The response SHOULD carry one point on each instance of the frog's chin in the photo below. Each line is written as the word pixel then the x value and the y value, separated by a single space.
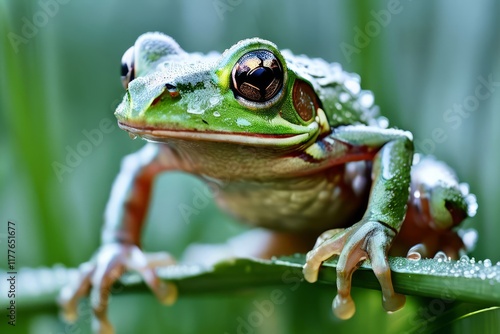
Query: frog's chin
pixel 251 139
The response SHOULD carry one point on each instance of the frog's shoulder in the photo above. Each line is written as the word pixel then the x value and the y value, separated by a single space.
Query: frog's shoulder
pixel 340 92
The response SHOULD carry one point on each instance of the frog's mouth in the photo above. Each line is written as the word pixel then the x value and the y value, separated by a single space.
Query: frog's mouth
pixel 251 139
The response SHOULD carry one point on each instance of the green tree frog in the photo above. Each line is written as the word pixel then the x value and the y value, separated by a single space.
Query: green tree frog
pixel 293 144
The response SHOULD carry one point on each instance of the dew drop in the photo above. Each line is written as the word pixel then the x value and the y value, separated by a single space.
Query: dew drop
pixel 214 100
pixel 366 99
pixel 344 97
pixel 353 86
pixel 383 122
pixel 487 263
pixel 216 113
pixel 464 258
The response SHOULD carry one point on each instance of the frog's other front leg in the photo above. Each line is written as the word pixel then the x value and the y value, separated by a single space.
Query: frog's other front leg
pixel 438 203
pixel 120 250
pixel 370 238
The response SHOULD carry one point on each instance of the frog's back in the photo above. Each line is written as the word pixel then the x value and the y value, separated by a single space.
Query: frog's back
pixel 340 93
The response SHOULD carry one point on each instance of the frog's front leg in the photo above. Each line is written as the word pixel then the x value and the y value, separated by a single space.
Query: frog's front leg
pixel 120 250
pixel 371 238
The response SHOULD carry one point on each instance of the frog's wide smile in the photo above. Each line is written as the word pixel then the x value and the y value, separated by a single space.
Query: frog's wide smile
pixel 246 138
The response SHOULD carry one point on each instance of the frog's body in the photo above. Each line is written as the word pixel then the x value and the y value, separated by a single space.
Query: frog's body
pixel 287 143
pixel 331 198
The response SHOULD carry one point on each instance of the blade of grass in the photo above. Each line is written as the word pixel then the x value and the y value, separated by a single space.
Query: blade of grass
pixel 465 280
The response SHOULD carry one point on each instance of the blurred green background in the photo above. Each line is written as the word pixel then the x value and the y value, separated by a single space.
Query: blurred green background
pixel 60 76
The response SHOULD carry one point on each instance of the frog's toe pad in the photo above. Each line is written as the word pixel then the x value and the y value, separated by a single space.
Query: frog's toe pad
pixel 394 302
pixel 343 307
pixel 167 293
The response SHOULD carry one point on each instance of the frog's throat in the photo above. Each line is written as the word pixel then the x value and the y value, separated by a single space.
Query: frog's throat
pixel 252 139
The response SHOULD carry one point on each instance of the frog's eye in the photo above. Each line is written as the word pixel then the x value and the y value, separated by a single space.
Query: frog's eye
pixel 257 76
pixel 128 67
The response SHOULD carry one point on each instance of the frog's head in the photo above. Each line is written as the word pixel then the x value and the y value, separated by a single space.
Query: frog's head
pixel 246 96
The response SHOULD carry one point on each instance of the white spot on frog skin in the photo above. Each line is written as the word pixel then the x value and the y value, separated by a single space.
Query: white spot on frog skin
pixel 242 122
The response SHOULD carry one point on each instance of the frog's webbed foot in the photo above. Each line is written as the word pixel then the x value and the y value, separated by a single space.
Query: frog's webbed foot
pixel 98 275
pixel 364 240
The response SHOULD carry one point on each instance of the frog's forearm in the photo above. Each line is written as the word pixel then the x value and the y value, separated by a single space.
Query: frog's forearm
pixel 391 179
pixel 390 173
pixel 128 204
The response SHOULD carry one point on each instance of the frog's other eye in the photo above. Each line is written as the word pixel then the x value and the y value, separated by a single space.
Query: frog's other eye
pixel 305 100
pixel 128 72
pixel 257 76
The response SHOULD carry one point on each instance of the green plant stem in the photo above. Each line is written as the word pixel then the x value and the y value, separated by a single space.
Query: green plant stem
pixel 465 281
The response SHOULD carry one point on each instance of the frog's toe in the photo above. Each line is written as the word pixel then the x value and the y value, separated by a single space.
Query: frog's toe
pixel 70 295
pixel 377 250
pixel 327 235
pixel 417 252
pixel 322 251
pixel 355 244
pixel 371 240
pixel 145 265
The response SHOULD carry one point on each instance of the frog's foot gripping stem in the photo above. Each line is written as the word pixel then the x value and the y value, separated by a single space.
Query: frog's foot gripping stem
pixel 98 275
pixel 363 240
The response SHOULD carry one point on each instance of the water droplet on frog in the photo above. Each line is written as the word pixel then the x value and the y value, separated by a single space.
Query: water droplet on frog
pixel 216 113
pixel 383 122
pixel 344 97
pixel 132 135
pixel 195 111
pixel 214 100
pixel 352 85
pixel 366 99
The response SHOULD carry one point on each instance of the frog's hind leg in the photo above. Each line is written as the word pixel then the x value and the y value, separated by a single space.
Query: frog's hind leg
pixel 438 203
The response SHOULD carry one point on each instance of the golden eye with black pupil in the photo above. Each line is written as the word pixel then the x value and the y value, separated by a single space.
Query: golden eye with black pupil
pixel 128 72
pixel 257 76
